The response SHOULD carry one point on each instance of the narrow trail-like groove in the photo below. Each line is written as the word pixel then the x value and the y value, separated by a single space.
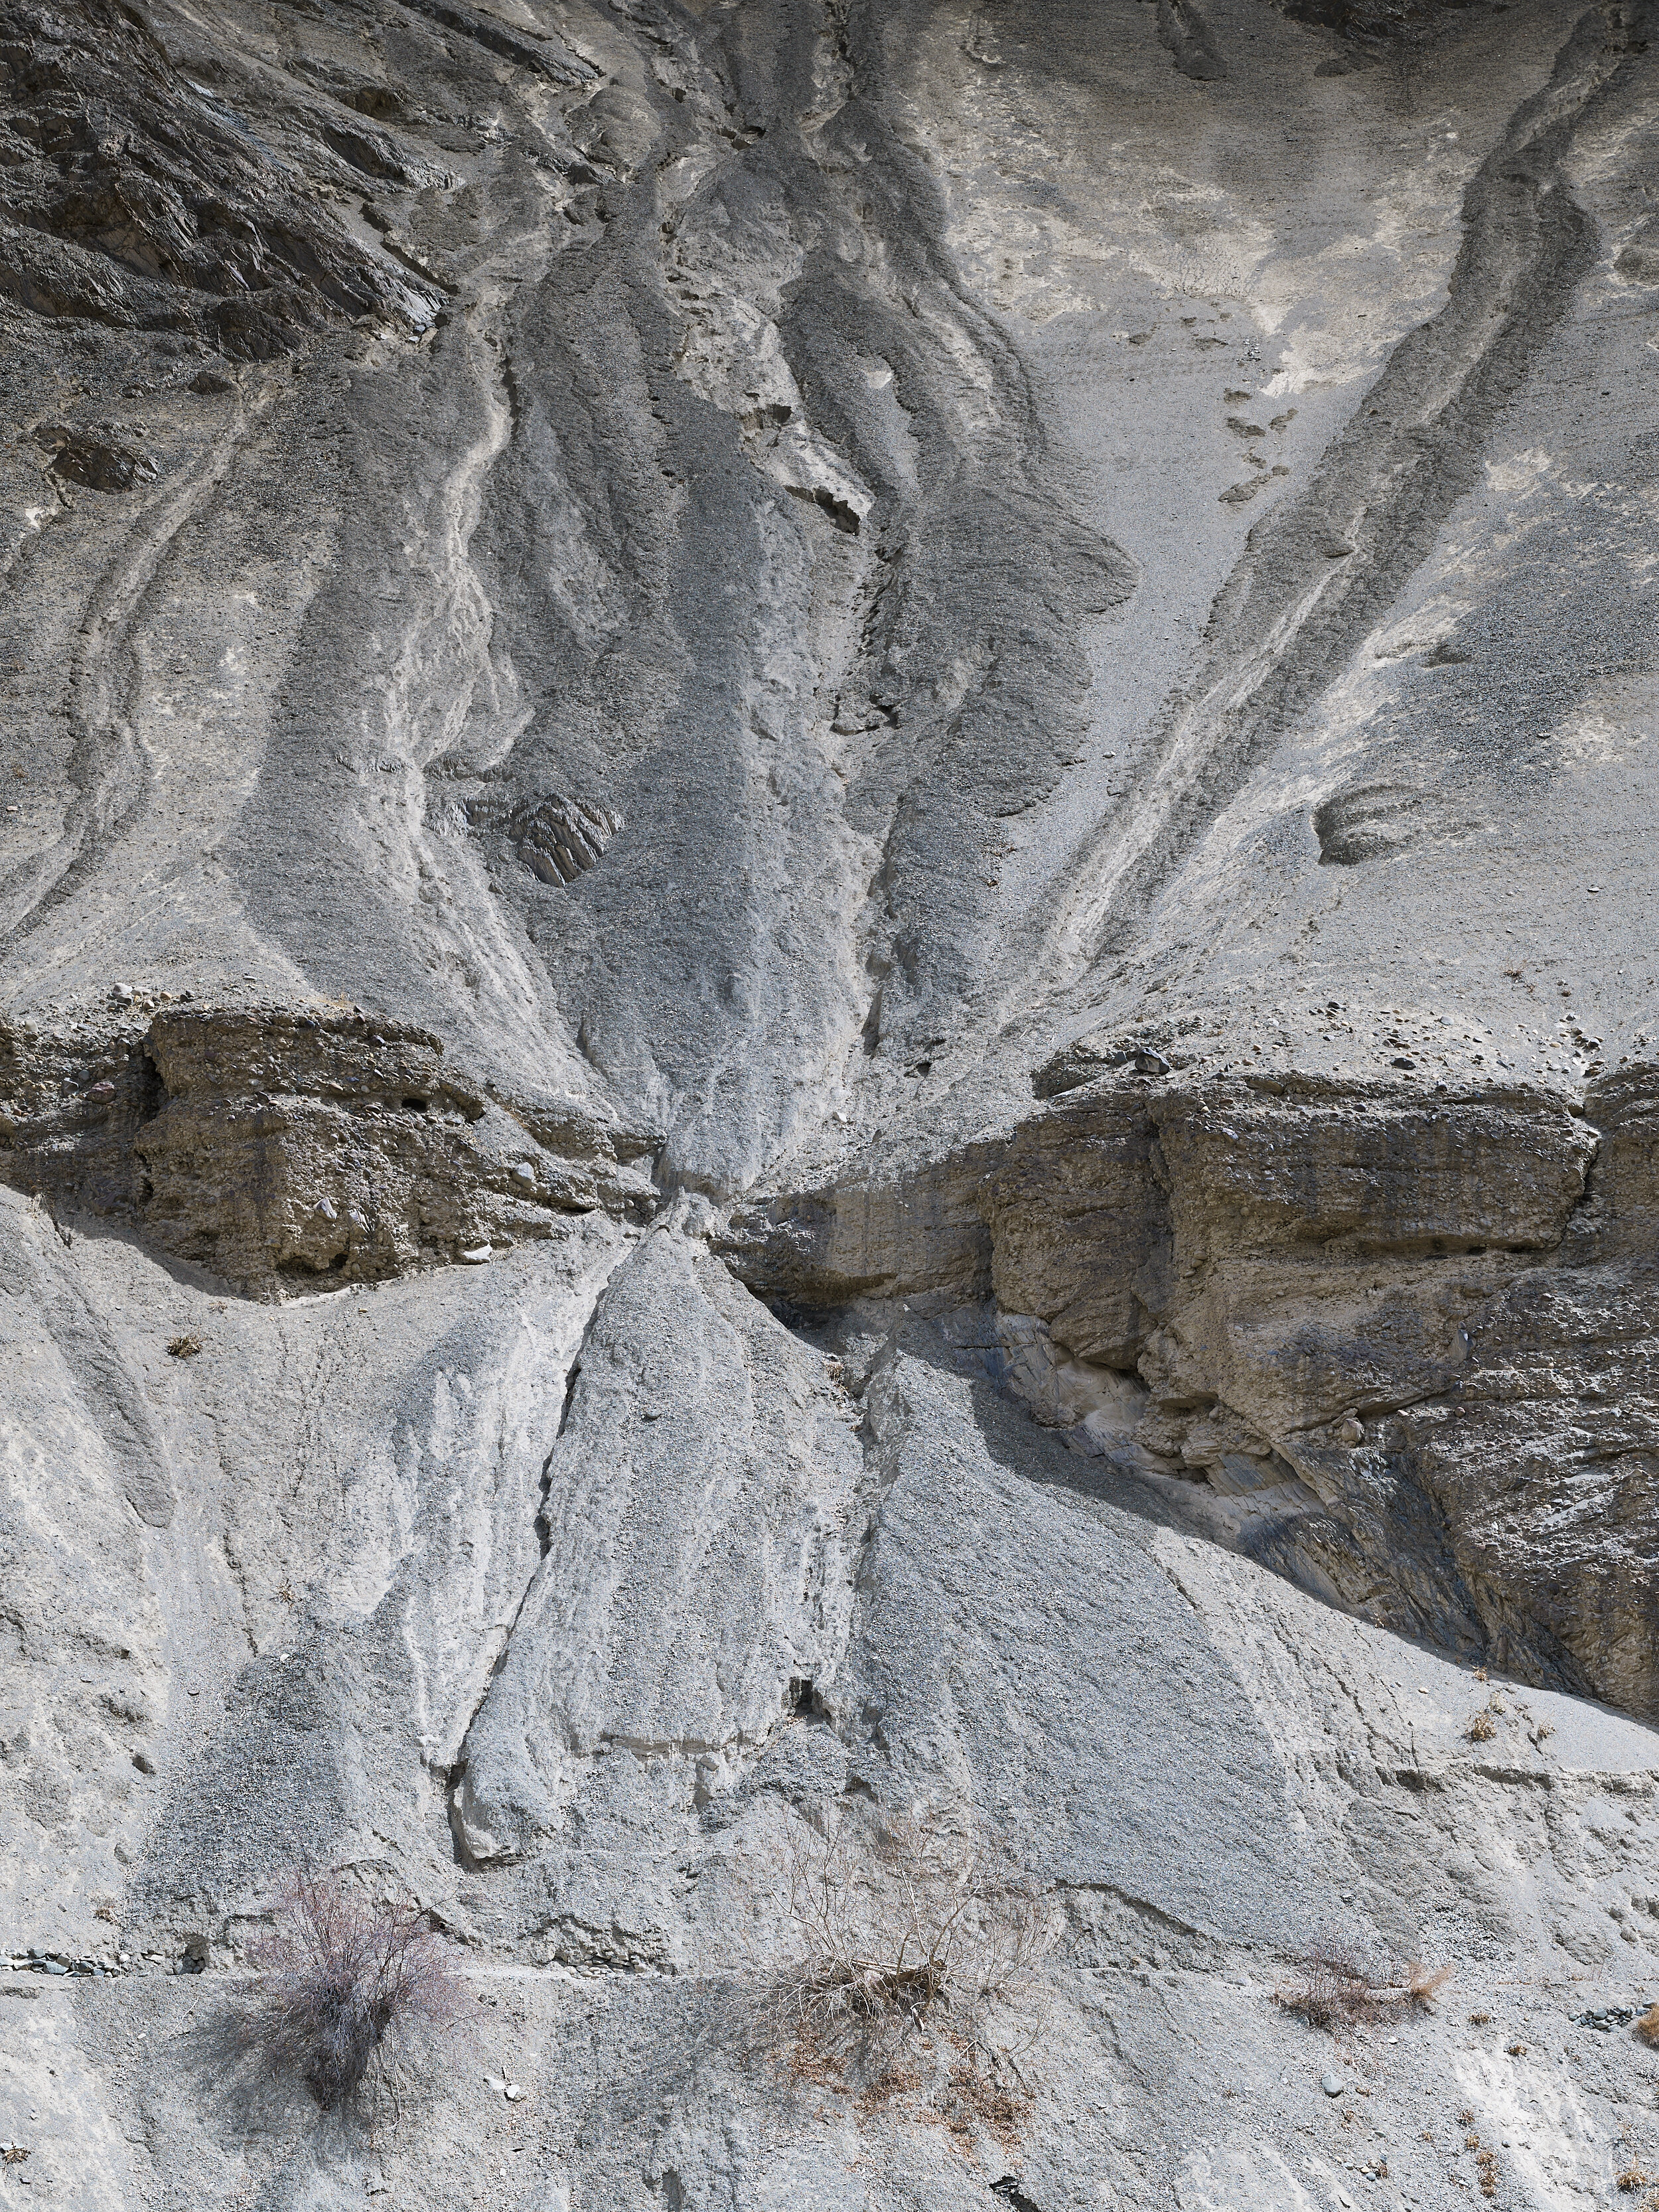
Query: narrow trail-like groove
pixel 111 780
pixel 1297 605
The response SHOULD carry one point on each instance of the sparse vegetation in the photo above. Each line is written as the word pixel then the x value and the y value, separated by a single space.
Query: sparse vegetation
pixel 897 1920
pixel 1485 2165
pixel 907 1934
pixel 1632 2179
pixel 1483 1728
pixel 1648 2026
pixel 184 1347
pixel 1331 1990
pixel 345 1983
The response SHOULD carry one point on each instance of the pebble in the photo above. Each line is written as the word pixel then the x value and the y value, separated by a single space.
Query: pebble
pixel 476 1254
pixel 1332 2084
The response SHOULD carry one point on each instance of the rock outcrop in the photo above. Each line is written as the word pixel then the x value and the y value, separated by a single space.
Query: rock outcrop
pixel 273 1150
pixel 1383 1330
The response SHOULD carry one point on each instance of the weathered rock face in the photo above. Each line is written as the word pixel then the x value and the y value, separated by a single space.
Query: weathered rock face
pixel 826 861
pixel 270 1149
pixel 752 1516
pixel 1322 1292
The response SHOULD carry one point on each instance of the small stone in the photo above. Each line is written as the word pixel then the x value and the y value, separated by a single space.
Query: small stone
pixel 122 994
pixel 513 2093
pixel 475 1256
pixel 1332 2084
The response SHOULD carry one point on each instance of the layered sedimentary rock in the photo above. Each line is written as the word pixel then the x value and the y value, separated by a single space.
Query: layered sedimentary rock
pixel 1317 1295
pixel 271 1148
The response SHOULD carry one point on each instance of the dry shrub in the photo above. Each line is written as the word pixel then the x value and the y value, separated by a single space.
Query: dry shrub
pixel 1632 2179
pixel 1482 1729
pixel 895 1923
pixel 1485 2165
pixel 1332 1990
pixel 1648 2026
pixel 345 1983
pixel 1424 1983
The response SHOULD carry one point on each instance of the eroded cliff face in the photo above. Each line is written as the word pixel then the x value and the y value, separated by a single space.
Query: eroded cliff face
pixel 827 871
pixel 1395 1340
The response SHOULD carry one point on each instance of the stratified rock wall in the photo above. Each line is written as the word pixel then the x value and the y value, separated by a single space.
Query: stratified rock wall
pixel 1319 1290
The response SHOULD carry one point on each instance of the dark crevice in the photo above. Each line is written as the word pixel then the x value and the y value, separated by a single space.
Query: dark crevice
pixel 150 1092
pixel 455 1774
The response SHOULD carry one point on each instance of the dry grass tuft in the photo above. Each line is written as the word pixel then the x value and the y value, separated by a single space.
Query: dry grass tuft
pixel 1632 2179
pixel 1482 1729
pixel 184 1347
pixel 1331 1991
pixel 344 1984
pixel 1648 2026
pixel 1485 2165
pixel 1424 1983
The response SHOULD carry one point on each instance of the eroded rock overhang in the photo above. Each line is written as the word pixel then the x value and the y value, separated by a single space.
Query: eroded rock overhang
pixel 1395 1344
